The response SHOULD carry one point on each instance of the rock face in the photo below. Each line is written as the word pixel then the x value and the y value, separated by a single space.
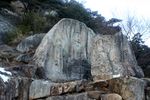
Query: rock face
pixel 15 89
pixel 129 88
pixel 69 51
pixel 30 43
pixel 112 56
pixel 64 52
pixel 7 54
pixel 48 88
pixel 147 88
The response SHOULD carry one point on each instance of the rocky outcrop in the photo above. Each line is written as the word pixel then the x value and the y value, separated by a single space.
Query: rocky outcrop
pixel 71 63
pixel 112 56
pixel 30 43
pixel 70 51
pixel 64 52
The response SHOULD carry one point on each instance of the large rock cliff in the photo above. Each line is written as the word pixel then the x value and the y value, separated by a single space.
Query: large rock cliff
pixel 72 51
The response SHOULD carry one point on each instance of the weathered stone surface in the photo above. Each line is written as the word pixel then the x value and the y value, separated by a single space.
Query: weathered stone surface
pixel 7 52
pixel 23 71
pixel 8 89
pixel 39 89
pixel 23 88
pixel 13 88
pixel 112 56
pixel 48 88
pixel 101 85
pixel 112 96
pixel 64 52
pixel 30 43
pixel 7 55
pixel 70 50
pixel 95 94
pixel 130 88
pixel 25 58
pixel 79 96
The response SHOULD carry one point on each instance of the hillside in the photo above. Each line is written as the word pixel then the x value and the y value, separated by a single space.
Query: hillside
pixel 58 50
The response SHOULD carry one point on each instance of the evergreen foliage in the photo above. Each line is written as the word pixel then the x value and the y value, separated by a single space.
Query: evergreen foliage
pixel 142 52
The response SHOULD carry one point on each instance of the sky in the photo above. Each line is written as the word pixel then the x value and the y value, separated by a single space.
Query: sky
pixel 121 9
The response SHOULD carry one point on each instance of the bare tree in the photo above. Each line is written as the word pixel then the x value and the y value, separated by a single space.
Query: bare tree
pixel 133 25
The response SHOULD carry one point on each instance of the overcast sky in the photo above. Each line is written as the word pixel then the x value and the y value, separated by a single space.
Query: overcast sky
pixel 120 9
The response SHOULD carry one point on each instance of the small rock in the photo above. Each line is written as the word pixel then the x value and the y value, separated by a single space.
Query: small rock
pixel 129 88
pixel 30 43
pixel 95 94
pixel 18 6
pixel 111 97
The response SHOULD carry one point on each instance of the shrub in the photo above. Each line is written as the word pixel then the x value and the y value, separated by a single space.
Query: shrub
pixel 12 35
pixel 30 22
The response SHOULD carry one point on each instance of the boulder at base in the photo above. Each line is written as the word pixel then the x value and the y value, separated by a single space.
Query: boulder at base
pixel 64 52
pixel 111 96
pixel 129 88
